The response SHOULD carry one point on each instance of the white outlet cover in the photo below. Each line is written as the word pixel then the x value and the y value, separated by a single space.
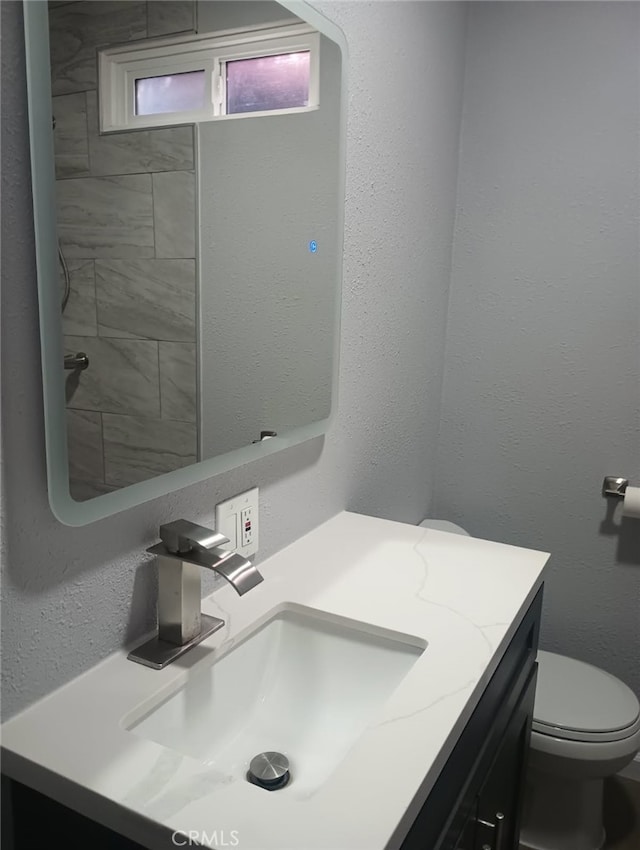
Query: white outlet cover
pixel 228 521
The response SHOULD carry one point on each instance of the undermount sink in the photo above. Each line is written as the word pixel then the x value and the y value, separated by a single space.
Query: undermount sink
pixel 304 683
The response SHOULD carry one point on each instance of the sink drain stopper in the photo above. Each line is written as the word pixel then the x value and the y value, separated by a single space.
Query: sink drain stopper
pixel 269 770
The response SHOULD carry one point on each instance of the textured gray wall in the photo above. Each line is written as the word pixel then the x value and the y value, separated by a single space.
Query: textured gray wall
pixel 542 379
pixel 72 595
pixel 226 14
pixel 267 304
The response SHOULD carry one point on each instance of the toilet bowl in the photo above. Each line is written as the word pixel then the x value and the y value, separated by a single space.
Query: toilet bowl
pixel 586 727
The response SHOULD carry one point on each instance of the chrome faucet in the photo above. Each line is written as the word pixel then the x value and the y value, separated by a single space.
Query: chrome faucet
pixel 184 550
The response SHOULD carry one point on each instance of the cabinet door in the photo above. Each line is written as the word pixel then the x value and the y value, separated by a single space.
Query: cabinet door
pixel 499 801
pixel 40 823
pixel 448 819
pixel 467 838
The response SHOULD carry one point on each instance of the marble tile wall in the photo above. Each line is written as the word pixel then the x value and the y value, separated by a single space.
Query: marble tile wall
pixel 106 216
pixel 177 362
pixel 173 211
pixel 79 317
pixel 145 151
pixel 122 376
pixel 127 225
pixel 70 137
pixel 136 448
pixel 152 299
pixel 76 30
pixel 169 16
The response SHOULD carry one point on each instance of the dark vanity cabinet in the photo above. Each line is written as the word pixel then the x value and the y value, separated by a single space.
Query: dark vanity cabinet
pixel 474 805
pixel 498 806
pixel 476 801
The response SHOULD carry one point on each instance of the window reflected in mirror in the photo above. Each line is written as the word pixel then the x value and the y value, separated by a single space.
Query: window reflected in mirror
pixel 189 289
pixel 182 92
pixel 268 82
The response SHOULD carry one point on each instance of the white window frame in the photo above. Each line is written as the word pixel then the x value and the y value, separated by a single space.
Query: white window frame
pixel 120 67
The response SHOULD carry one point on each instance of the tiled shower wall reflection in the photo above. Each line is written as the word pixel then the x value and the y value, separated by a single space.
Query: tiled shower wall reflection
pixel 126 222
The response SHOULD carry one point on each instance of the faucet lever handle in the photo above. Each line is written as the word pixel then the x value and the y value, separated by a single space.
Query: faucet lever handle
pixel 182 536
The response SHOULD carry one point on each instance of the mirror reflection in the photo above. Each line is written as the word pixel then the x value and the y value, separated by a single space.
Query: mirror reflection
pixel 198 241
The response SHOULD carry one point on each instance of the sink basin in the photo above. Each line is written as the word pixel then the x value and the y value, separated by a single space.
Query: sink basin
pixel 304 683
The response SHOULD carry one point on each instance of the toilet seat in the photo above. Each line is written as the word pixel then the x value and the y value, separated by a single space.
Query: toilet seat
pixel 580 736
pixel 579 702
pixel 599 754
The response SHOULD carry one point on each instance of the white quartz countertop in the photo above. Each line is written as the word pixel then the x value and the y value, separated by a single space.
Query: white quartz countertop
pixel 463 596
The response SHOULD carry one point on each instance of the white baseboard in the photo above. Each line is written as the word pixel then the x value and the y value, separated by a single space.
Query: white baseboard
pixel 632 770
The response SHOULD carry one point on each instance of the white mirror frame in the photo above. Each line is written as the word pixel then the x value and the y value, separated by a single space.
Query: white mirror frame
pixel 66 509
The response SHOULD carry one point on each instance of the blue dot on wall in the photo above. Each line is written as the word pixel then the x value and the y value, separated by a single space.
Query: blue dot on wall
pixel 313 246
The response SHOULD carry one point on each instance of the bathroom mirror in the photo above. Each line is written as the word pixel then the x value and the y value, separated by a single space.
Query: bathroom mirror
pixel 188 185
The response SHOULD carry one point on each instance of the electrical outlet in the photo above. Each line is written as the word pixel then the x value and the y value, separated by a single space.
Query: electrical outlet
pixel 246 526
pixel 237 519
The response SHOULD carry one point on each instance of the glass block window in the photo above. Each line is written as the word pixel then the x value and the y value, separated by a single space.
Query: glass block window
pixel 170 93
pixel 268 82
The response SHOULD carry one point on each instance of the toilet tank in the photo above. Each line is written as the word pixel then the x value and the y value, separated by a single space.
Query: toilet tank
pixel 443 525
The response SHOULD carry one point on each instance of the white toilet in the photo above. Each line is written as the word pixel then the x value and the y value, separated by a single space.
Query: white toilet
pixel 586 727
